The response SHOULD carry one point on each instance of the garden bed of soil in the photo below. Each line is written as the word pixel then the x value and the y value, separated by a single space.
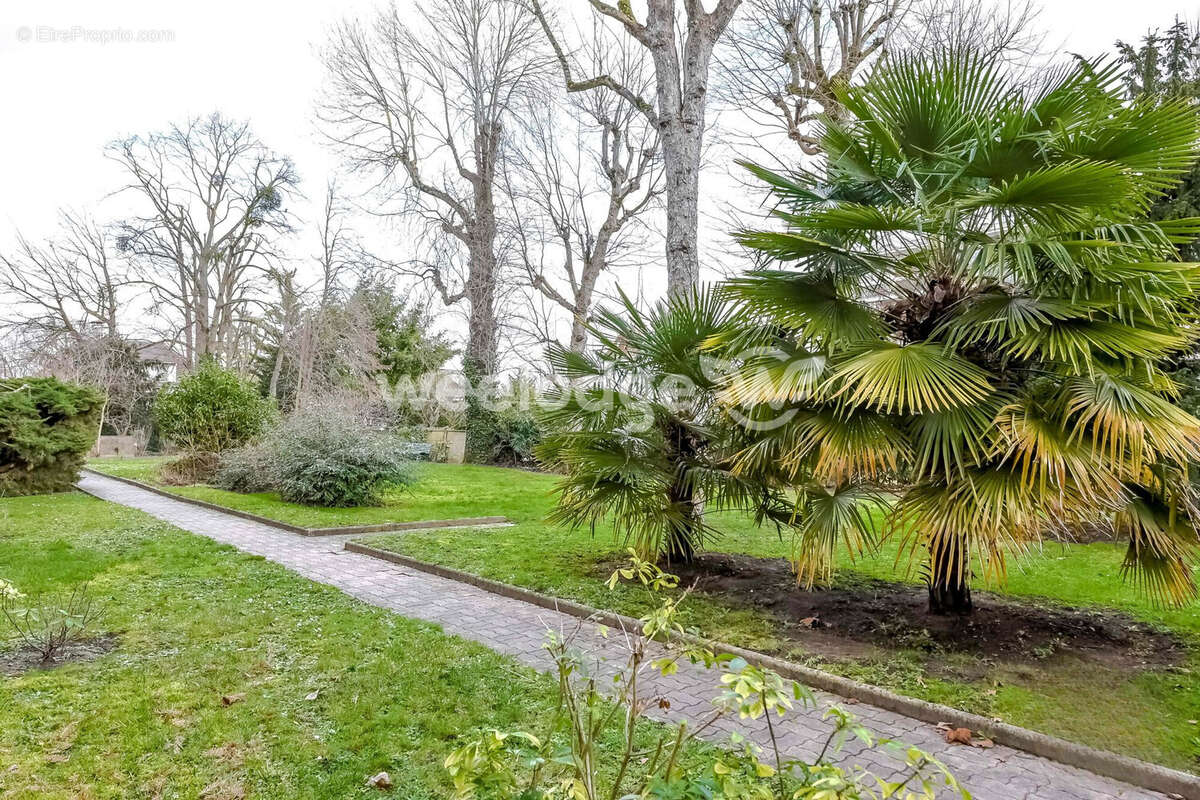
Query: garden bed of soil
pixel 856 620
pixel 22 660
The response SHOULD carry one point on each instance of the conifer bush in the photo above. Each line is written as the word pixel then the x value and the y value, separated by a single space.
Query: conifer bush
pixel 47 427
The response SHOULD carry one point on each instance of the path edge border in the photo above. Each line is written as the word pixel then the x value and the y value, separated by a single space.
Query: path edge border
pixel 347 530
pixel 1133 771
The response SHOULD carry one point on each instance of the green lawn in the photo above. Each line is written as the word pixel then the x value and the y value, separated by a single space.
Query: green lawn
pixel 1057 694
pixel 443 491
pixel 194 621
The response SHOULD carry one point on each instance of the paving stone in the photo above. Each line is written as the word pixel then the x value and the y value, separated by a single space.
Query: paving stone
pixel 519 629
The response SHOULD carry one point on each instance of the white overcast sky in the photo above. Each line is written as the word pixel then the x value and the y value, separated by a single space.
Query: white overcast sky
pixel 252 59
pixel 65 97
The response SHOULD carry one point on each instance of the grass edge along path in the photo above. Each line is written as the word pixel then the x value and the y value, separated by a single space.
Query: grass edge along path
pixel 1053 694
pixel 518 628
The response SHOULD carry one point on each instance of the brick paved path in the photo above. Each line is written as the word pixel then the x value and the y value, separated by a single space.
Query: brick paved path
pixel 517 629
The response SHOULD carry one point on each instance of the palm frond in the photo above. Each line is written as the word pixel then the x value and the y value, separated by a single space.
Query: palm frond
pixel 911 379
pixel 1162 547
pixel 848 516
pixel 807 303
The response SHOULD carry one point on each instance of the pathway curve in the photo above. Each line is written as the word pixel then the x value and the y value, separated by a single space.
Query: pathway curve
pixel 517 629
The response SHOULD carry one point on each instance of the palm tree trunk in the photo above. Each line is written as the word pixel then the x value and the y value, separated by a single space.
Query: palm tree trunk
pixel 949 581
pixel 680 546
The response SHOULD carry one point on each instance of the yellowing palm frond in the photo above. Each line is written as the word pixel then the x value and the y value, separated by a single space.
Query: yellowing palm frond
pixel 912 379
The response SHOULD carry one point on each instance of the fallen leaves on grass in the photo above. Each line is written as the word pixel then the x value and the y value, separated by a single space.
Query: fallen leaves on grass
pixel 224 789
pixel 58 750
pixel 230 699
pixel 229 753
pixel 174 716
pixel 380 780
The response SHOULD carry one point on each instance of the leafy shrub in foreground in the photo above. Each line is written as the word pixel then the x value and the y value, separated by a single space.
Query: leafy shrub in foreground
pixel 570 758
pixel 211 410
pixel 48 624
pixel 330 460
pixel 47 427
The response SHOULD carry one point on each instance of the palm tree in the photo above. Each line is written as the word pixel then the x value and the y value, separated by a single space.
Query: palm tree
pixel 637 432
pixel 974 315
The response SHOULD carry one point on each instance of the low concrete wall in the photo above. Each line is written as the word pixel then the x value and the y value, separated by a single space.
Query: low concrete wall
pixel 450 442
pixel 119 446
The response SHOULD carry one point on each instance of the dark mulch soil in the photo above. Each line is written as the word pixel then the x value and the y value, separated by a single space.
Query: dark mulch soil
pixel 18 662
pixel 869 616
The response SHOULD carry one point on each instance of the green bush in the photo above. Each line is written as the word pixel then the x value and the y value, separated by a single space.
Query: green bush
pixel 514 436
pixel 211 410
pixel 503 429
pixel 47 428
pixel 325 459
pixel 248 469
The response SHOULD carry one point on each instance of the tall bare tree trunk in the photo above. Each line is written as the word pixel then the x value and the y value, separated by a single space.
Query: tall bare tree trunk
pixel 681 147
pixel 681 65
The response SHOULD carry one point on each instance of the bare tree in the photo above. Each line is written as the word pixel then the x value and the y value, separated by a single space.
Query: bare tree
pixel 680 38
pixel 1007 29
pixel 426 104
pixel 581 177
pixel 339 255
pixel 213 198
pixel 295 323
pixel 111 363
pixel 782 61
pixel 68 287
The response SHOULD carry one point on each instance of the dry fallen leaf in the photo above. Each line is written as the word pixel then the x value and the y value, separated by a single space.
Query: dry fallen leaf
pixel 380 780
pixel 230 699
pixel 173 716
pixel 958 736
pixel 223 790
pixel 963 736
pixel 57 758
pixel 229 752
pixel 312 695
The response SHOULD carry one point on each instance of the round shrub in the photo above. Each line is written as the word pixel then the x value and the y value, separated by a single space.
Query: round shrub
pixel 47 427
pixel 330 460
pixel 248 469
pixel 211 410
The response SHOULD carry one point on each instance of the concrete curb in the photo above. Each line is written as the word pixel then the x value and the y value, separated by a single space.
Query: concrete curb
pixel 348 530
pixel 1130 770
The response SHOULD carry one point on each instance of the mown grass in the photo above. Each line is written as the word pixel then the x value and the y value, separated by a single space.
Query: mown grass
pixel 442 491
pixel 1057 695
pixel 196 621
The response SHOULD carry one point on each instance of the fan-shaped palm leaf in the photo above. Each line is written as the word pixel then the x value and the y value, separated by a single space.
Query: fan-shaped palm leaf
pixel 911 379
